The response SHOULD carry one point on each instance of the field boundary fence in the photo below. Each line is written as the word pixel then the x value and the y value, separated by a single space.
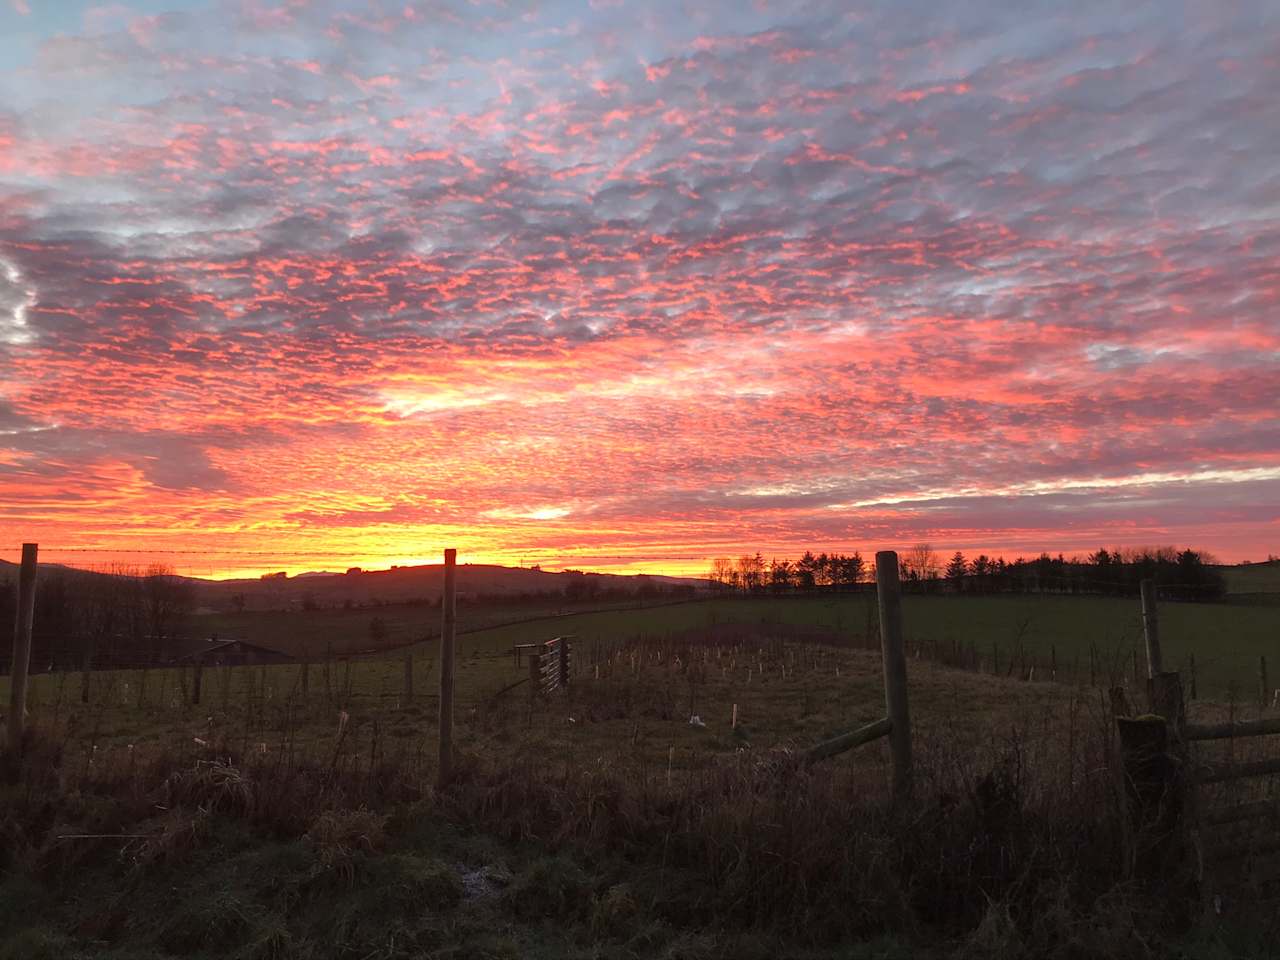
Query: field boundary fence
pixel 1181 794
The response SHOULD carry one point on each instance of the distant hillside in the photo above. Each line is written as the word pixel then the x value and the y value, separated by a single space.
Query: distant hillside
pixel 406 584
pixel 1253 577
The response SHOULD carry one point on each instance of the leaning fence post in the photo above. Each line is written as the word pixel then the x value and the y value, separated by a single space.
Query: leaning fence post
pixel 448 625
pixel 22 646
pixel 1151 628
pixel 888 592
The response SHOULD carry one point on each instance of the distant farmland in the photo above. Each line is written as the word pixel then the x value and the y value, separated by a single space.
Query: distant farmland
pixel 1255 578
pixel 1225 638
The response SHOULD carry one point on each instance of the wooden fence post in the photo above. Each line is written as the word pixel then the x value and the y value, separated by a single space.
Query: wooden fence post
pixel 564 661
pixel 1151 628
pixel 1155 796
pixel 535 672
pixel 1119 702
pixel 22 646
pixel 448 626
pixel 888 592
pixel 1164 692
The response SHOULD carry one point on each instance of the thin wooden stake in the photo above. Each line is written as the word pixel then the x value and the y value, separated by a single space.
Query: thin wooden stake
pixel 22 646
pixel 1151 629
pixel 888 592
pixel 447 636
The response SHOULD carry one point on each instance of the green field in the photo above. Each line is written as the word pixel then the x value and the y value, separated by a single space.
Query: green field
pixel 1092 640
pixel 313 632
pixel 1226 640
pixel 1253 578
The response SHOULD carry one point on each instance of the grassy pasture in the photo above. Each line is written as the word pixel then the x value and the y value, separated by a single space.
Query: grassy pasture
pixel 1253 578
pixel 1225 639
pixel 311 632
pixel 826 686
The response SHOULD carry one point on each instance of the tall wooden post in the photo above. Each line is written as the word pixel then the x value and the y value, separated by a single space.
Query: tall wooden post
pixel 564 661
pixel 1151 782
pixel 1164 692
pixel 448 625
pixel 1151 628
pixel 888 592
pixel 22 646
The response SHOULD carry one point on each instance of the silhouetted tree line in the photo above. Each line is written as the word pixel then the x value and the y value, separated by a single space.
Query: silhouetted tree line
pixel 827 572
pixel 124 616
pixel 1181 575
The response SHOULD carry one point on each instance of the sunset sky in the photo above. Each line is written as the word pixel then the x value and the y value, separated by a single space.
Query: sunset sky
pixel 299 285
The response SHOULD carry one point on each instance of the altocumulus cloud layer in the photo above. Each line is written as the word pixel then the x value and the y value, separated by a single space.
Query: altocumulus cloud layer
pixel 583 281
